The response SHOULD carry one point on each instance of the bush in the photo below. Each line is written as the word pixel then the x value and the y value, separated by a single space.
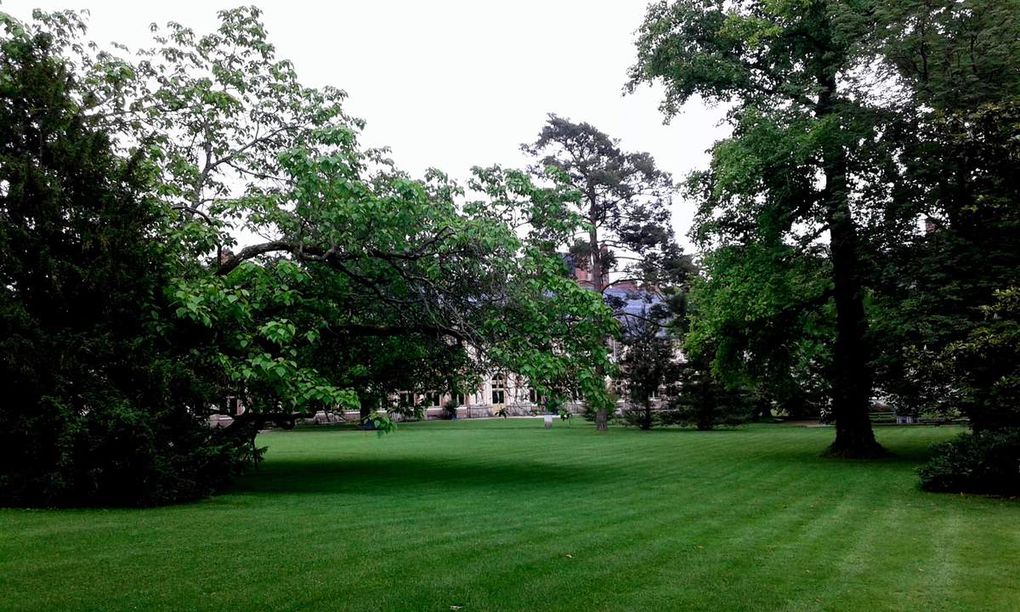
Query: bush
pixel 409 413
pixel 102 401
pixel 981 462
pixel 704 416
pixel 635 415
pixel 704 402
pixel 116 455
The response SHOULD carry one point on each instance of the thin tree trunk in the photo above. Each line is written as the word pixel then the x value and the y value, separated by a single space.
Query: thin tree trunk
pixel 597 282
pixel 598 285
pixel 368 401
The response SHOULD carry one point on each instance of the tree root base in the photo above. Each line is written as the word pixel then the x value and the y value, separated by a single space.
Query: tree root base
pixel 868 450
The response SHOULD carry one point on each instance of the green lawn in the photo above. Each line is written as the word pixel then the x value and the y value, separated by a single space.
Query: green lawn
pixel 493 515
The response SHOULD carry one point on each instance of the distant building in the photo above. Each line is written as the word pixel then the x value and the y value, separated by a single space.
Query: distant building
pixel 507 393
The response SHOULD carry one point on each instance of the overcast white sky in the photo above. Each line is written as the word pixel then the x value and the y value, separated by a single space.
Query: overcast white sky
pixel 454 83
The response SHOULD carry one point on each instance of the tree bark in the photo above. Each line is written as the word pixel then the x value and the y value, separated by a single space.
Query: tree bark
pixel 597 282
pixel 364 411
pixel 851 380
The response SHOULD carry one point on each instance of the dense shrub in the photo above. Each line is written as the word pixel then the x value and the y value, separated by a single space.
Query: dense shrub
pixel 634 416
pixel 449 410
pixel 705 402
pixel 987 364
pixel 705 415
pixel 116 454
pixel 408 412
pixel 101 403
pixel 980 462
pixel 642 417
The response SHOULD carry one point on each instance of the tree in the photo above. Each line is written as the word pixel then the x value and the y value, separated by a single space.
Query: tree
pixel 987 364
pixel 794 166
pixel 389 256
pixel 704 401
pixel 625 205
pixel 99 404
pixel 650 362
pixel 350 249
pixel 352 256
pixel 760 321
pixel 956 66
pixel 986 368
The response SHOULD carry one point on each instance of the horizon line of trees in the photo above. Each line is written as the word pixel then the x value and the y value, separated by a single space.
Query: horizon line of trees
pixel 128 312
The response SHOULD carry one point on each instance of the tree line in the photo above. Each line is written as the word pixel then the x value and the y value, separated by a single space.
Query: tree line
pixel 129 311
pixel 189 222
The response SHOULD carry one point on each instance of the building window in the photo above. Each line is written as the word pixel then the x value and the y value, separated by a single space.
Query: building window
pixel 499 389
pixel 534 397
pixel 433 398
pixel 405 398
pixel 460 399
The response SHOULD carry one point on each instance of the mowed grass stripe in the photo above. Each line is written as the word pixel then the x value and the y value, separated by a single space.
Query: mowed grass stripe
pixel 495 515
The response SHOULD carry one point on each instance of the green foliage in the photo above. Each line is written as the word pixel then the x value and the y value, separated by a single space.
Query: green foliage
pixel 365 280
pixel 702 400
pixel 854 124
pixel 758 321
pixel 100 408
pixel 954 54
pixel 805 159
pixel 930 290
pixel 650 364
pixel 381 423
pixel 624 201
pixel 370 281
pixel 373 281
pixel 981 462
pixel 987 365
pixel 957 128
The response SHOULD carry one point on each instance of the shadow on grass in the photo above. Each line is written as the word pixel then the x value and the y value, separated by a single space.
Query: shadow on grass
pixel 902 454
pixel 677 429
pixel 482 425
pixel 401 475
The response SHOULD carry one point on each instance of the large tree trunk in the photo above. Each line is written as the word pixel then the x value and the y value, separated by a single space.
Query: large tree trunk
pixel 851 380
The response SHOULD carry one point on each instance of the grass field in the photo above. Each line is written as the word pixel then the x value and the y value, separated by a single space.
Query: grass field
pixel 491 515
